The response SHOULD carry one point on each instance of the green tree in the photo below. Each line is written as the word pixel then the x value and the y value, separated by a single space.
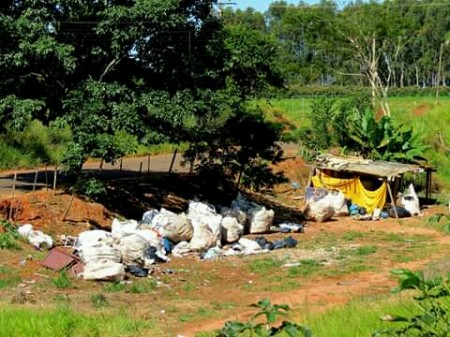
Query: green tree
pixel 157 70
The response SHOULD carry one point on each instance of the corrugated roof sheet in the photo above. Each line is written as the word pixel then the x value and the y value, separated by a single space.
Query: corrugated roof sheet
pixel 365 166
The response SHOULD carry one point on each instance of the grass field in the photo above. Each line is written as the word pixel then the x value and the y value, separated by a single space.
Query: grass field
pixel 430 120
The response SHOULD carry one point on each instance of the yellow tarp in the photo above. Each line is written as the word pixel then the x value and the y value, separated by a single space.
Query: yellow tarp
pixel 353 189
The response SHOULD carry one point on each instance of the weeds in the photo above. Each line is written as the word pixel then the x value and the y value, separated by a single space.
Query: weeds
pixel 432 302
pixel 63 281
pixel 99 301
pixel 8 239
pixel 142 287
pixel 440 222
pixel 114 287
pixel 270 312
pixel 8 277
pixel 262 266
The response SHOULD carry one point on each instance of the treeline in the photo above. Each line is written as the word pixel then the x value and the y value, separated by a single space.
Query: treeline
pixel 406 42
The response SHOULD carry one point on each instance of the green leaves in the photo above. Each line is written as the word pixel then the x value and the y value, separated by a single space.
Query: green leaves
pixel 271 312
pixel 432 315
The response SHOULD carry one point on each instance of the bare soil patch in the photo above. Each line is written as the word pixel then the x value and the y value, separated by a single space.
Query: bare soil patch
pixel 334 262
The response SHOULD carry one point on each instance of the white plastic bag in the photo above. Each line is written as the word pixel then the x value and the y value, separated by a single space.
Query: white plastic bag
pixel 203 238
pixel 106 271
pixel 35 237
pixel 132 246
pixel 93 237
pixel 320 210
pixel 410 201
pixel 99 253
pixel 232 230
pixel 260 220
pixel 175 227
pixel 121 228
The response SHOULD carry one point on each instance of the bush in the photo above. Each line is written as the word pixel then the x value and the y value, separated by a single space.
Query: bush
pixel 270 312
pixel 433 307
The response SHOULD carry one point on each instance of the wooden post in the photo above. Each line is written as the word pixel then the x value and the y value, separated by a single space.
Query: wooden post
pixel 428 185
pixel 55 177
pixel 68 207
pixel 148 164
pixel 46 177
pixel 35 180
pixel 13 192
pixel 121 164
pixel 140 169
pixel 173 160
pixel 101 165
pixel 391 196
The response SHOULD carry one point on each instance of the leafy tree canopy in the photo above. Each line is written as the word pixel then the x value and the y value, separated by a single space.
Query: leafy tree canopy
pixel 157 69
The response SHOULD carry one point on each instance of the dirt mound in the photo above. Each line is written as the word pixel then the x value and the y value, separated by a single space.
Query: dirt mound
pixel 54 212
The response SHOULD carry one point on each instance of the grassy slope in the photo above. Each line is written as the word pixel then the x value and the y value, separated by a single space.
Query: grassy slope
pixel 427 118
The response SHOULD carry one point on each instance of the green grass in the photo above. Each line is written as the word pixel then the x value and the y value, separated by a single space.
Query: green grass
pixel 114 287
pixel 63 281
pixel 265 265
pixel 142 286
pixel 8 277
pixel 62 322
pixel 435 120
pixel 356 319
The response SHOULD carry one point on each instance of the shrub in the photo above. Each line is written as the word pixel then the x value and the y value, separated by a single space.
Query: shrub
pixel 270 312
pixel 432 318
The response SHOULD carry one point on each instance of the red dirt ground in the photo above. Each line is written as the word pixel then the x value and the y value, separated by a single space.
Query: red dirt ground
pixel 219 281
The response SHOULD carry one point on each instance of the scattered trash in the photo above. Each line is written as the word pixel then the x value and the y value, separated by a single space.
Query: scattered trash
pixel 35 237
pixel 57 259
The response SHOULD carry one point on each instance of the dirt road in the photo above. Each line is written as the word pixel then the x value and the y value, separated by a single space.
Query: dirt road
pixel 42 177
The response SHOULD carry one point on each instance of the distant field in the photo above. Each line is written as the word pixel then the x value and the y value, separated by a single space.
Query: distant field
pixel 428 119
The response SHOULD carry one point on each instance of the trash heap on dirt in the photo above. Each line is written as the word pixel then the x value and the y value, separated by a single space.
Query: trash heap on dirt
pixel 323 204
pixel 135 246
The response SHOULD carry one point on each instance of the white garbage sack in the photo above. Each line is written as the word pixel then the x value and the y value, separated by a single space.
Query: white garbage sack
pixel 105 270
pixel 36 238
pixel 410 201
pixel 237 213
pixel 121 228
pixel 232 230
pixel 132 246
pixel 337 200
pixel 320 210
pixel 151 236
pixel 181 248
pixel 251 247
pixel 148 216
pixel 203 238
pixel 206 214
pixel 93 237
pixel 176 227
pixel 197 209
pixel 100 253
pixel 260 220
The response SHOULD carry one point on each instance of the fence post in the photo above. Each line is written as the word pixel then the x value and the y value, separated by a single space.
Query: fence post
pixel 173 160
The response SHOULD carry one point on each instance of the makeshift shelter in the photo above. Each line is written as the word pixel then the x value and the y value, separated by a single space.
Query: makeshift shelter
pixel 353 175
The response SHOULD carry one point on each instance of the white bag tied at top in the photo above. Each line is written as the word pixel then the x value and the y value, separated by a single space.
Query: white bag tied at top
pixel 176 227
pixel 232 230
pixel 202 213
pixel 203 238
pixel 132 246
pixel 410 201
pixel 260 220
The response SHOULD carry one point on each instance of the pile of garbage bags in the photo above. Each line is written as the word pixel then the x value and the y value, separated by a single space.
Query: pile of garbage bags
pixel 134 246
